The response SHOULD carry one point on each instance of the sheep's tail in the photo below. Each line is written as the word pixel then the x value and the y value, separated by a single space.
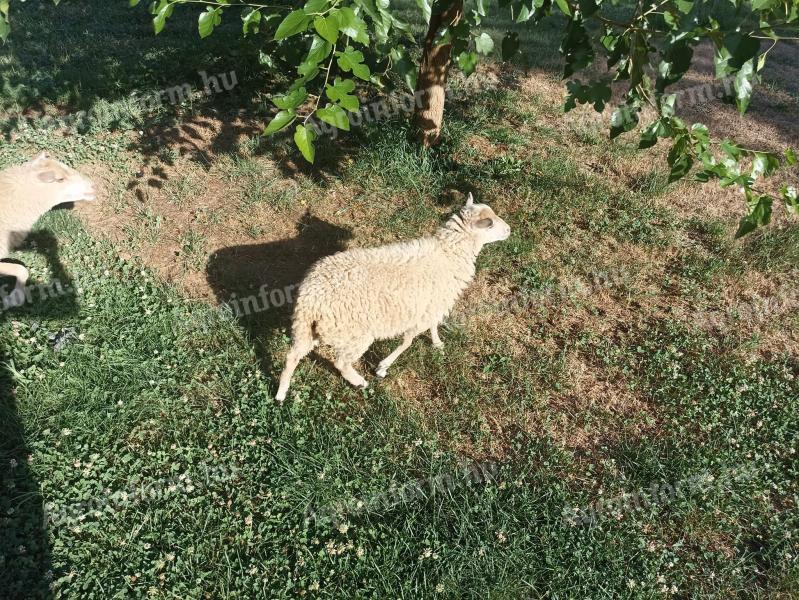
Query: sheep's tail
pixel 303 331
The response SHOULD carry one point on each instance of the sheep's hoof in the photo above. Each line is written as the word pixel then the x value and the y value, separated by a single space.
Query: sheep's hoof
pixel 438 346
pixel 381 372
pixel 280 397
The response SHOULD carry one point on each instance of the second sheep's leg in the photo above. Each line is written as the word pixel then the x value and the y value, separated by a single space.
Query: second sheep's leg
pixel 407 338
pixel 437 343
pixel 346 356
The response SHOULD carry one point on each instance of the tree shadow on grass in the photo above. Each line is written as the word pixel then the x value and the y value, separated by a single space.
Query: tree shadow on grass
pixel 25 554
pixel 260 281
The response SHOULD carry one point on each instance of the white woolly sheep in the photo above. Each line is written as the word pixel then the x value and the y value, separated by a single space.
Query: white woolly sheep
pixel 28 191
pixel 350 299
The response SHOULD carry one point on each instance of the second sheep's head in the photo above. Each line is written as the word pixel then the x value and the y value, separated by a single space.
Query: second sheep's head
pixel 480 222
pixel 53 183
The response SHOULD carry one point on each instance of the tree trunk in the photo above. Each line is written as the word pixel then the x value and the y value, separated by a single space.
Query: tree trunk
pixel 432 78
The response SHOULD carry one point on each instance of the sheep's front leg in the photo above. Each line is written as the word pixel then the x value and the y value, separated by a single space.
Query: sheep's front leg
pixel 437 343
pixel 407 338
pixel 20 273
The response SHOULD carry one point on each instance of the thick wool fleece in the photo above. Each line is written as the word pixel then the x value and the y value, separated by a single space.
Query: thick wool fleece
pixel 355 297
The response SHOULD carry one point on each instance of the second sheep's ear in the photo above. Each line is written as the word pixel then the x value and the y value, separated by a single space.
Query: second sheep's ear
pixel 46 176
pixel 469 200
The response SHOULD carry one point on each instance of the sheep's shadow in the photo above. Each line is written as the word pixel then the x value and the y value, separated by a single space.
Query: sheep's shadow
pixel 260 281
pixel 27 569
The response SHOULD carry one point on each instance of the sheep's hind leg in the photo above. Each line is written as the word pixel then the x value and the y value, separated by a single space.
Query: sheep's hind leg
pixel 437 343
pixel 299 349
pixel 344 359
pixel 407 338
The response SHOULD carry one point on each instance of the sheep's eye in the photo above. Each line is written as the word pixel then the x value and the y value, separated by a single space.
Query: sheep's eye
pixel 484 224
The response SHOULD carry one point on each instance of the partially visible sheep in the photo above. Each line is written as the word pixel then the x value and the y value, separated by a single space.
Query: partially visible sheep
pixel 350 299
pixel 28 191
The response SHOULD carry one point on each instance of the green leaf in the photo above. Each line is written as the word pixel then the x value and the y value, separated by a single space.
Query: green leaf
pixel 676 62
pixel 789 196
pixel 315 7
pixel 672 19
pixel 650 135
pixel 666 105
pixel 639 59
pixel 759 213
pixel 353 26
pixel 380 18
pixel 576 47
pixel 467 62
pixel 291 100
pixel 624 118
pixel 251 22
pixel 731 150
pixel 281 119
pixel 700 133
pixel 304 138
pixel 308 70
pixel 510 45
pixel 685 6
pixel 352 60
pixel 744 79
pixel 741 48
pixel 790 156
pixel 482 7
pixel 764 163
pixel 589 7
pixel 327 27
pixel 5 29
pixel 266 60
pixel 524 14
pixel 564 7
pixel 679 159
pixel 320 50
pixel 596 92
pixel 424 6
pixel 295 22
pixel 208 20
pixel 334 115
pixel 404 67
pixel 340 92
pixel 484 44
pixel 163 12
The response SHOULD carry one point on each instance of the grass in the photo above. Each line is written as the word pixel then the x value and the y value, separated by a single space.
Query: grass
pixel 142 454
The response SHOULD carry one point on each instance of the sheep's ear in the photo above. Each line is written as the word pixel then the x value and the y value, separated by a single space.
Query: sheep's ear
pixel 46 176
pixel 41 156
pixel 469 200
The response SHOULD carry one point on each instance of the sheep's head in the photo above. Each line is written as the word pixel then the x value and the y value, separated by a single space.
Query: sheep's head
pixel 52 182
pixel 480 222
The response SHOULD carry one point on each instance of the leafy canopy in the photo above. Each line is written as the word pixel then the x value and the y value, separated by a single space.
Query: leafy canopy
pixel 335 45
